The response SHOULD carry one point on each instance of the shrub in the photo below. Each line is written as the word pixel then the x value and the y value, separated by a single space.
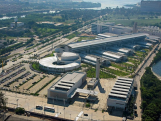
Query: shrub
pixel 87 105
pixel 20 110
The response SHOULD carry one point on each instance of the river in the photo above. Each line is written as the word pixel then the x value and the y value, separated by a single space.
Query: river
pixel 113 3
pixel 157 68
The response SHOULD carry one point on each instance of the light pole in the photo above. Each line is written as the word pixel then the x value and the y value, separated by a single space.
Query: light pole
pixel 103 117
pixel 17 102
pixel 70 116
pixel 64 108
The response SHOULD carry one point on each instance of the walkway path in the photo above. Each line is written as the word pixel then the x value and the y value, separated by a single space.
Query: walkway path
pixel 141 71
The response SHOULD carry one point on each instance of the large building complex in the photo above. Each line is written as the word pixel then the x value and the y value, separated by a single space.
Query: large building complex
pixel 98 28
pixel 120 93
pixel 107 49
pixel 151 6
pixel 89 46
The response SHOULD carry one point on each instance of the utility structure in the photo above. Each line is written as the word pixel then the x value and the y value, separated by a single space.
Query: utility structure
pixel 2 66
pixel 135 27
pixel 97 68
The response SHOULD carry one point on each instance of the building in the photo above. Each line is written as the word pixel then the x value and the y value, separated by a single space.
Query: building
pixel 98 28
pixel 151 6
pixel 120 93
pixel 106 35
pixel 121 30
pixel 65 87
pixel 16 24
pixel 93 60
pixel 151 30
pixel 107 49
pixel 92 45
pixel 60 63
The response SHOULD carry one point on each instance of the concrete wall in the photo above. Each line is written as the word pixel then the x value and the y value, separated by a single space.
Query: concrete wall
pixel 57 94
pixel 116 103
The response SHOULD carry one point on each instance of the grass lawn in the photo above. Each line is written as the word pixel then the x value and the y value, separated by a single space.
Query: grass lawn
pixel 69 21
pixel 116 72
pixel 118 66
pixel 72 35
pixel 50 55
pixel 36 66
pixel 86 38
pixel 141 22
pixel 91 73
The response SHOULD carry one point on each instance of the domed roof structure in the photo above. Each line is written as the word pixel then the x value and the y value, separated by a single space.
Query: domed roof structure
pixel 69 61
pixel 68 56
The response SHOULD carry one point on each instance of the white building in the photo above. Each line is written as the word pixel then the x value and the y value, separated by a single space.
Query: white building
pixel 66 87
pixel 121 30
pixel 120 93
pixel 64 62
pixel 98 28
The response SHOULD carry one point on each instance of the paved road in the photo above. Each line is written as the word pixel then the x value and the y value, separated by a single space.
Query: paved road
pixel 137 78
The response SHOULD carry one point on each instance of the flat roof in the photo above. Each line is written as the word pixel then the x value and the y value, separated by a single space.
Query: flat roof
pixel 107 53
pixel 85 56
pixel 126 90
pixel 121 27
pixel 122 87
pixel 103 56
pixel 119 92
pixel 124 84
pixel 122 81
pixel 68 80
pixel 117 95
pixel 106 40
pixel 125 79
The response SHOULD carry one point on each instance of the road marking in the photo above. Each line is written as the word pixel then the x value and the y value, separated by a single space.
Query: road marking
pixel 57 115
pixel 78 116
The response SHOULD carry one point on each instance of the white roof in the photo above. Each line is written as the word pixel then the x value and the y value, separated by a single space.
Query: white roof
pixel 48 62
pixel 108 54
pixel 106 40
pixel 69 54
pixel 88 57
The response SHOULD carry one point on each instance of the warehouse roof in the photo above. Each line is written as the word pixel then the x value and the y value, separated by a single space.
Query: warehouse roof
pixel 121 88
pixel 106 40
pixel 67 81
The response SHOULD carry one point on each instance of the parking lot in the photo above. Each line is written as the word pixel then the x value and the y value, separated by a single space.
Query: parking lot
pixel 20 78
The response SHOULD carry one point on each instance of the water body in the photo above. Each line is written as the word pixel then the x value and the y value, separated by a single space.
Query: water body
pixel 113 3
pixel 157 68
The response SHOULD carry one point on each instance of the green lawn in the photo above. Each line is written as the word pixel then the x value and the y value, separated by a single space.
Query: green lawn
pixel 118 66
pixel 116 72
pixel 91 73
pixel 141 22
pixel 50 55
pixel 72 35
pixel 36 66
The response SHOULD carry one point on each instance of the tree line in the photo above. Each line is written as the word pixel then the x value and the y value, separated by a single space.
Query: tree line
pixel 151 95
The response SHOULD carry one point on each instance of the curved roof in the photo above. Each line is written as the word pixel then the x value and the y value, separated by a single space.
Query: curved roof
pixel 69 54
pixel 106 40
pixel 48 62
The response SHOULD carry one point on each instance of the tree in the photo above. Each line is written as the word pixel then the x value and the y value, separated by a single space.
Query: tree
pixel 3 100
pixel 20 110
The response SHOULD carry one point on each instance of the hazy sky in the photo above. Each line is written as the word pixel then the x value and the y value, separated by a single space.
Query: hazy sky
pixel 114 3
